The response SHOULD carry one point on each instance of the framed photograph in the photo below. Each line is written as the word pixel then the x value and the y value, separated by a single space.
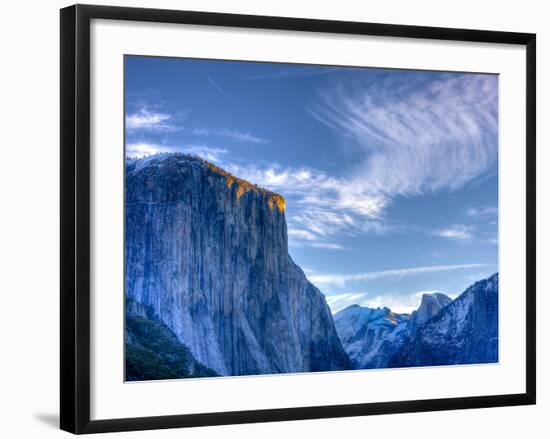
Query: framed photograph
pixel 268 219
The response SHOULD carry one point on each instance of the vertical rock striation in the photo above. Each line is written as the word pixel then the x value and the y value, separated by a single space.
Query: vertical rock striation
pixel 208 253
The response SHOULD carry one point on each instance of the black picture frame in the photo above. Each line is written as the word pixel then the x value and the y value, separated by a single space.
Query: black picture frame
pixel 75 217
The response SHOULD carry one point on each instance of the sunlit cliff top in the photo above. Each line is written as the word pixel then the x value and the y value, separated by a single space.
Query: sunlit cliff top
pixel 273 199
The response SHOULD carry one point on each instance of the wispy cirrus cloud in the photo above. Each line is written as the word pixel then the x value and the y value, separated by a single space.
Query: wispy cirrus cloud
pixel 341 280
pixel 415 136
pixel 458 232
pixel 236 135
pixel 318 228
pixel 322 227
pixel 482 212
pixel 411 137
pixel 323 222
pixel 147 120
pixel 305 238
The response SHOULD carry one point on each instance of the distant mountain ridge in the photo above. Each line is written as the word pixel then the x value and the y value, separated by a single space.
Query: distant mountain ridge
pixel 441 331
pixel 371 336
pixel 463 332
pixel 208 253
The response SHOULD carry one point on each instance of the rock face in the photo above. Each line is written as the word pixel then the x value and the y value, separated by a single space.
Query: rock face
pixel 370 336
pixel 430 305
pixel 209 254
pixel 463 332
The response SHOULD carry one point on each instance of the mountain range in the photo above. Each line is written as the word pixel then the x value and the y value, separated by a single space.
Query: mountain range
pixel 464 332
pixel 441 331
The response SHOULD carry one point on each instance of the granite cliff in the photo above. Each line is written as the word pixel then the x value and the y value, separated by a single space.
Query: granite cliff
pixel 207 252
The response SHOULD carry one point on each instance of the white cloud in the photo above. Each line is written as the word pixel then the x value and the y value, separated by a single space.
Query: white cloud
pixel 303 238
pixel 141 149
pixel 338 302
pixel 149 121
pixel 401 303
pixel 320 227
pixel 458 232
pixel 301 234
pixel 308 230
pixel 206 152
pixel 341 280
pixel 323 222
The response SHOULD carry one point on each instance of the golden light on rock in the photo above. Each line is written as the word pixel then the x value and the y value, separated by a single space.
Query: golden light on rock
pixel 273 200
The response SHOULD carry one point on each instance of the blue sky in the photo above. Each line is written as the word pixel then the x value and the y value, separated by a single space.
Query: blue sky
pixel 390 176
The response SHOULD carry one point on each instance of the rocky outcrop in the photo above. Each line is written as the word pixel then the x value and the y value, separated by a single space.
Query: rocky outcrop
pixel 463 332
pixel 370 336
pixel 430 305
pixel 208 253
